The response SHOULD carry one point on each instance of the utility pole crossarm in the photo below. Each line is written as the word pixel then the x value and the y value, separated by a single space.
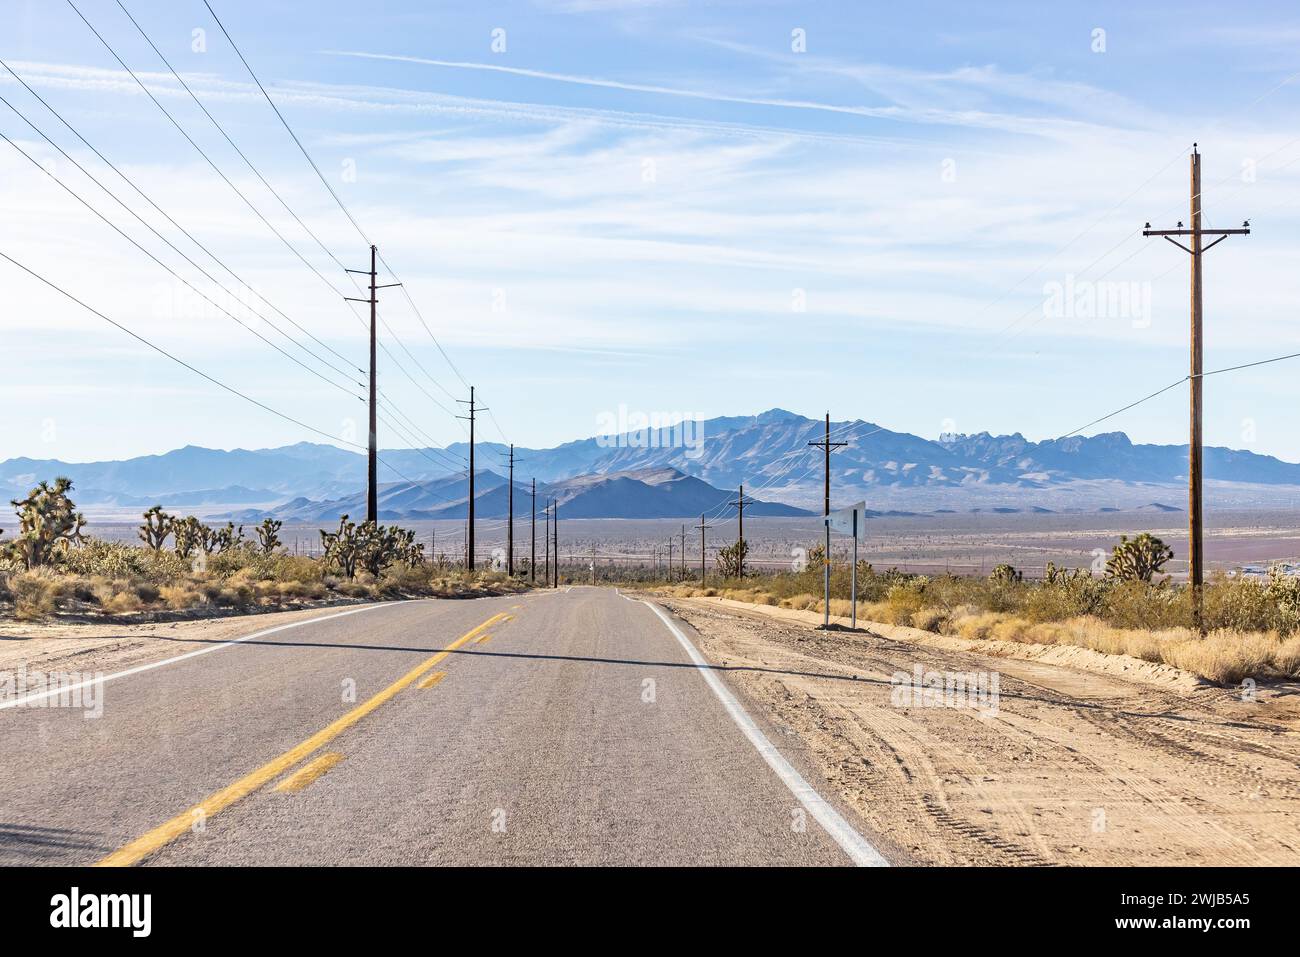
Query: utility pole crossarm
pixel 1243 230
pixel 1168 234
pixel 739 504
pixel 827 446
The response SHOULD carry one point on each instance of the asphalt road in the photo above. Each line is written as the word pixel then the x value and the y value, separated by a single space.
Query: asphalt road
pixel 551 728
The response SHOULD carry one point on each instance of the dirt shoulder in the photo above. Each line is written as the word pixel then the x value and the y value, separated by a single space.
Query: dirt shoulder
pixel 107 647
pixel 1076 760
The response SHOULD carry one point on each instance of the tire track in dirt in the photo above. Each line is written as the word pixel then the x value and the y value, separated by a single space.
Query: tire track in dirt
pixel 1129 774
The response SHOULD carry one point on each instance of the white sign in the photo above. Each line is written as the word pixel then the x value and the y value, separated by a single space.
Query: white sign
pixel 848 521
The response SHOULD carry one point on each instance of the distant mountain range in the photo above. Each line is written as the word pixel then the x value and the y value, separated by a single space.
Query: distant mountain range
pixel 653 472
pixel 650 493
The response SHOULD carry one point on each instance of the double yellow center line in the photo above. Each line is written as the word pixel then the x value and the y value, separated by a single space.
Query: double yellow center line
pixel 165 833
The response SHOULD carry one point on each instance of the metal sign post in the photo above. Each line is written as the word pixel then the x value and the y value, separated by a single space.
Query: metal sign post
pixel 853 592
pixel 847 521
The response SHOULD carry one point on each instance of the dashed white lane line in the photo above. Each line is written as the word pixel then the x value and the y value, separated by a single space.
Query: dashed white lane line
pixel 69 688
pixel 850 841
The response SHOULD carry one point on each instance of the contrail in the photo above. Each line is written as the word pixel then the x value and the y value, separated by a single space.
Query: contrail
pixel 872 112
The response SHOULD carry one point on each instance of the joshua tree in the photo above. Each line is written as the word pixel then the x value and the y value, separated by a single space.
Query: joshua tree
pixel 403 546
pixel 157 527
pixel 190 534
pixel 1005 574
pixel 816 556
pixel 268 534
pixel 221 539
pixel 1054 575
pixel 730 559
pixel 1139 559
pixel 47 522
pixel 343 548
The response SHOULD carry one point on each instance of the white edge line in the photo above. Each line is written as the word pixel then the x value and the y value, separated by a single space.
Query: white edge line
pixel 66 689
pixel 850 841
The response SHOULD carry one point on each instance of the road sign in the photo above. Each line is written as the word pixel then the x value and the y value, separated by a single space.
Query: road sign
pixel 848 521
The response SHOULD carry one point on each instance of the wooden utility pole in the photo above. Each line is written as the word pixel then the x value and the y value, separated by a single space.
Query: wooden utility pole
pixel 555 531
pixel 702 526
pixel 510 526
pixel 469 528
pixel 546 539
pixel 739 504
pixel 532 558
pixel 683 553
pixel 827 446
pixel 1194 234
pixel 372 448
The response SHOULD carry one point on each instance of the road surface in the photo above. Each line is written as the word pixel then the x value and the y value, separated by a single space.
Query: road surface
pixel 568 727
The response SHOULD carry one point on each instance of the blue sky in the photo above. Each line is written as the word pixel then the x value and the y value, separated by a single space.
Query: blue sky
pixel 662 206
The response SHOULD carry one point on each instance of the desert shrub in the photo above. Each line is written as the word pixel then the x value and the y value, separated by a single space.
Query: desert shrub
pixel 109 559
pixel 105 590
pixel 234 596
pixel 405 579
pixel 1284 591
pixel 840 607
pixel 180 597
pixel 294 589
pixel 297 568
pixel 1243 604
pixel 930 619
pixel 1064 598
pixel 122 603
pixel 34 593
pixel 904 600
pixel 243 557
pixel 147 592
pixel 1138 604
pixel 975 625
pixel 1287 658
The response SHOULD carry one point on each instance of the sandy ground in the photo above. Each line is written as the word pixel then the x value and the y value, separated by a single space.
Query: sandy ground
pixel 1114 762
pixel 91 647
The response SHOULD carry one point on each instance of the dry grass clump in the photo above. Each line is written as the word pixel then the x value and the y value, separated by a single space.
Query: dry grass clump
pixel 33 593
pixel 1286 657
pixel 179 597
pixel 930 619
pixel 1224 657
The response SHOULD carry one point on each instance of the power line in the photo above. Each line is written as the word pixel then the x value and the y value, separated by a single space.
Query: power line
pixel 148 199
pixel 256 172
pixel 179 361
pixel 333 193
pixel 361 232
pixel 1111 415
pixel 222 130
pixel 216 169
pixel 1172 385
pixel 432 442
pixel 178 276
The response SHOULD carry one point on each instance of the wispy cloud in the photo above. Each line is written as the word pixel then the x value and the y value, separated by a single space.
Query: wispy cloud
pixel 895 112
